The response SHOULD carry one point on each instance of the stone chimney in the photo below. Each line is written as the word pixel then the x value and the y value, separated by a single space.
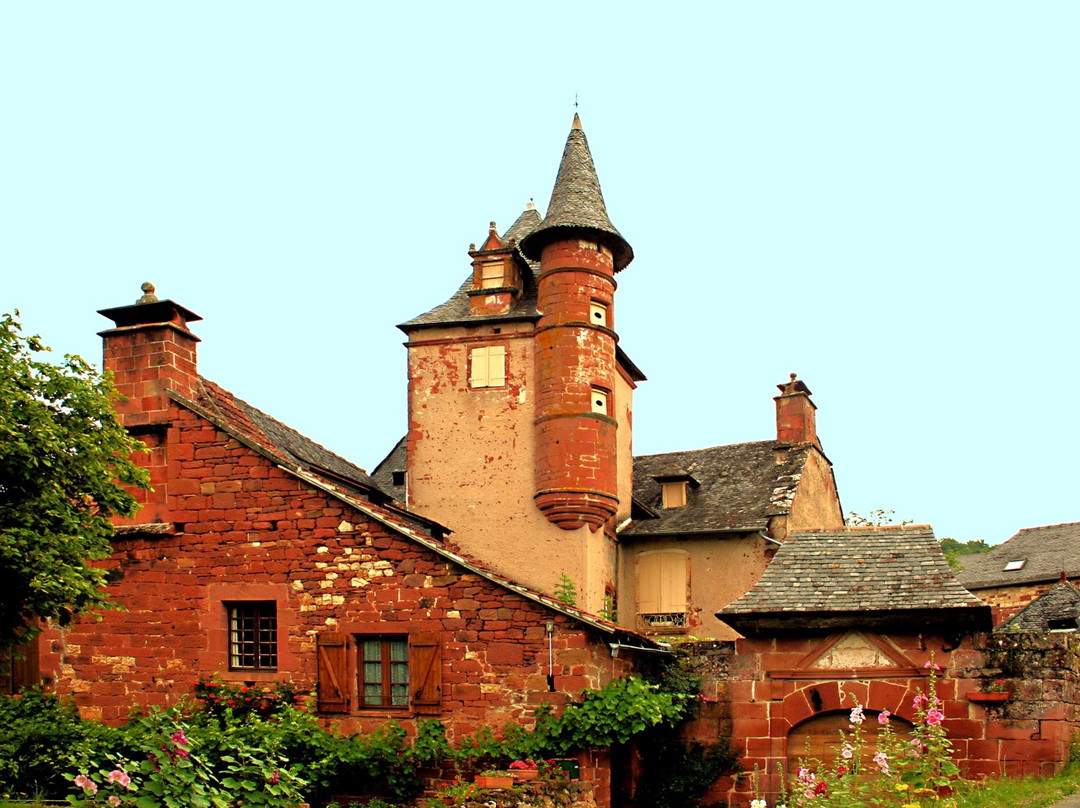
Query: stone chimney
pixel 795 414
pixel 151 351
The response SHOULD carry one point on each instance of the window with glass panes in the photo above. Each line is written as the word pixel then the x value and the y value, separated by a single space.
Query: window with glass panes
pixel 383 671
pixel 253 636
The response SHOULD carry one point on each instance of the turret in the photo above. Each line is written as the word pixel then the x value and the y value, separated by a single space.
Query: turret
pixel 579 251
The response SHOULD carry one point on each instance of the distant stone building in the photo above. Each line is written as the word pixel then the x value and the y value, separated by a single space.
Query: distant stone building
pixel 1016 572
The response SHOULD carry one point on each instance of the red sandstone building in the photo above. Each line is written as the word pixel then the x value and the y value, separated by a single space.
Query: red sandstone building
pixel 427 589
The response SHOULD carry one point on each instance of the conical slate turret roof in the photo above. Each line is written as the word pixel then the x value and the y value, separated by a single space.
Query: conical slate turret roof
pixel 577 205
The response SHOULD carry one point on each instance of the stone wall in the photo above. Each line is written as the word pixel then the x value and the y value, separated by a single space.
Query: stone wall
pixel 766 688
pixel 243 529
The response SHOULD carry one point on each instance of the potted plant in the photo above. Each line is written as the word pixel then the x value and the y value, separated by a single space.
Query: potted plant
pixel 994 692
pixel 493 778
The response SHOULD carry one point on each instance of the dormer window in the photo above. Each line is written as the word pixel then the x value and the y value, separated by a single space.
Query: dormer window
pixel 674 488
pixel 674 494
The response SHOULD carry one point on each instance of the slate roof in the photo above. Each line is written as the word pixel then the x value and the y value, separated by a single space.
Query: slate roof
pixel 1057 608
pixel 1046 552
pixel 456 310
pixel 739 488
pixel 577 205
pixel 397 460
pixel 871 577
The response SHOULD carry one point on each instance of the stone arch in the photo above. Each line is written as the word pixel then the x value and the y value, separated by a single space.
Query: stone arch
pixel 817 737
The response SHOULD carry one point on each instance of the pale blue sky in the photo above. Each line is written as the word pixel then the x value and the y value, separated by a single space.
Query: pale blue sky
pixel 879 196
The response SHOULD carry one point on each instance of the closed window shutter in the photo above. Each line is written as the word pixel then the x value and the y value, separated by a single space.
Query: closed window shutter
pixel 648 584
pixel 496 366
pixel 478 367
pixel 425 672
pixel 333 674
pixel 661 583
pixel 673 582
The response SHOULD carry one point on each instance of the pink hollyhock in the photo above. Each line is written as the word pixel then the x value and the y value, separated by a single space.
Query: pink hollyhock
pixel 114 800
pixel 847 752
pixel 86 784
pixel 934 716
pixel 120 777
pixel 883 717
pixel 856 716
pixel 882 761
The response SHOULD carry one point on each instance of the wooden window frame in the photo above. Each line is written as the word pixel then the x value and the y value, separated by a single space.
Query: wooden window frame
pixel 341 672
pixel 596 395
pixel 386 662
pixel 263 642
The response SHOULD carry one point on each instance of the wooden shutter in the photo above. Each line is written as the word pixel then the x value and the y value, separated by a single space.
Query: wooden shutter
pixel 496 366
pixel 425 672
pixel 661 582
pixel 333 673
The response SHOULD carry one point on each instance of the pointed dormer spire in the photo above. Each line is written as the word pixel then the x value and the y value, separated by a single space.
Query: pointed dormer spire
pixel 577 205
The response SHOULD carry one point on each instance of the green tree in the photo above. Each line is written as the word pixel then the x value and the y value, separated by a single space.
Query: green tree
pixel 64 459
pixel 953 549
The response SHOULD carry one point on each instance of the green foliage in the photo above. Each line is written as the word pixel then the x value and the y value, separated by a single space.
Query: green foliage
pixel 566 590
pixel 201 751
pixel 676 772
pixel 953 549
pixel 62 454
pixel 40 738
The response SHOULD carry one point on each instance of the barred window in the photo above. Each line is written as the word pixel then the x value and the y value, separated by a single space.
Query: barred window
pixel 253 636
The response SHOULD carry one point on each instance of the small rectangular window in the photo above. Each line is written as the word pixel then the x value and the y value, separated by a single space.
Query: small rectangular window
pixel 600 401
pixel 674 494
pixel 253 636
pixel 383 671
pixel 598 313
pixel 1012 566
pixel 492 276
pixel 487 366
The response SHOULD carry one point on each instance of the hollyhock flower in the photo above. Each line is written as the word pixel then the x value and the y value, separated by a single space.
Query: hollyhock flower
pixel 86 784
pixel 883 717
pixel 840 770
pixel 847 752
pixel 757 804
pixel 882 761
pixel 114 800
pixel 918 702
pixel 934 664
pixel 934 716
pixel 179 738
pixel 856 716
pixel 120 777
pixel 821 787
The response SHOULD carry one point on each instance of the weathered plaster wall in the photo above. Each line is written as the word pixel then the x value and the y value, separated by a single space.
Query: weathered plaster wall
pixel 816 504
pixel 471 458
pixel 251 531
pixel 722 567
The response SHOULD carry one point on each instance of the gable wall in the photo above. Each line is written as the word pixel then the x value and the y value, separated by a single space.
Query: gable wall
pixel 816 504
pixel 252 532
